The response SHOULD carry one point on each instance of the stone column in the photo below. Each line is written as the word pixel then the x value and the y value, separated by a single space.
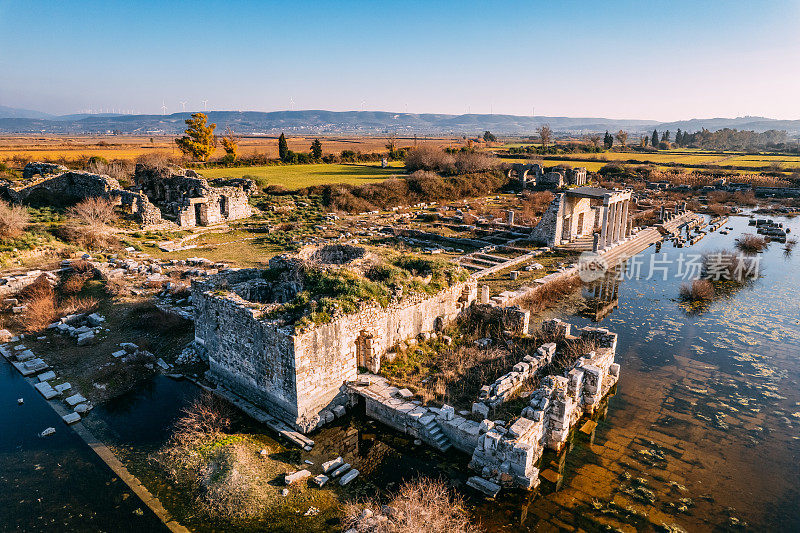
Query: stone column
pixel 595 242
pixel 615 224
pixel 484 294
pixel 625 218
pixel 604 225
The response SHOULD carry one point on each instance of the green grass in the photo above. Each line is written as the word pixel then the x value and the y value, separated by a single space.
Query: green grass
pixel 299 176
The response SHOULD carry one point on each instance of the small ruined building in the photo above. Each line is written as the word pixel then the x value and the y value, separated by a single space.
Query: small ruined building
pixel 188 199
pixel 533 176
pixel 295 369
pixel 588 218
pixel 159 196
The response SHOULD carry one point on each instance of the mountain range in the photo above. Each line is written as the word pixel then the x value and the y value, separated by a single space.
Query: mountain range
pixel 319 122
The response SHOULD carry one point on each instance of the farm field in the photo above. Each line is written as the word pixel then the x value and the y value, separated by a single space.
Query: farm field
pixel 299 176
pixel 56 147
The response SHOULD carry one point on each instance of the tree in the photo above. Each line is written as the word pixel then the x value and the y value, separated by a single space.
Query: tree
pixel 199 140
pixel 545 134
pixel 488 136
pixel 679 138
pixel 608 140
pixel 622 137
pixel 594 138
pixel 654 139
pixel 391 145
pixel 283 148
pixel 316 149
pixel 665 137
pixel 230 145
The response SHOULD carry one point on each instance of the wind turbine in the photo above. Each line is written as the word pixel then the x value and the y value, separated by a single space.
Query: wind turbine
pixel 291 103
pixel 362 104
pixel 183 105
pixel 205 105
pixel 163 108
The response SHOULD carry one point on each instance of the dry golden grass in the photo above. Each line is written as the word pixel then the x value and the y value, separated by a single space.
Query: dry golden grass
pixel 420 505
pixel 18 148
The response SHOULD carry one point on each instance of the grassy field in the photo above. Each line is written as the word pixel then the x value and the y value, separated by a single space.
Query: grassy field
pixel 71 148
pixel 298 176
pixel 682 156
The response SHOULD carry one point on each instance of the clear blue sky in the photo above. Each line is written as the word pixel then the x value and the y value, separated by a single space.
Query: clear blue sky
pixel 663 60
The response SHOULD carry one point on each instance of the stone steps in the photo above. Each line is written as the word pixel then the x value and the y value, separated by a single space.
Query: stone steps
pixel 435 434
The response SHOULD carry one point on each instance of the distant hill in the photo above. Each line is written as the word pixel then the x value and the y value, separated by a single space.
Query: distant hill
pixel 322 122
pixel 12 112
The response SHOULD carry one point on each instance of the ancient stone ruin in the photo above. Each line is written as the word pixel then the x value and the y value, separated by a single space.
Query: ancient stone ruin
pixel 507 454
pixel 188 199
pixel 533 175
pixel 159 196
pixel 576 214
pixel 296 370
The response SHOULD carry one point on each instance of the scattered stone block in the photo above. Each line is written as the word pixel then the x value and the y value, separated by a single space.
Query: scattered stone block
pixel 82 408
pixel 75 399
pixel 46 376
pixel 71 418
pixel 333 464
pixel 320 480
pixel 20 401
pixel 18 309
pixel 339 411
pixel 46 390
pixel 300 475
pixel 85 338
pixel 347 478
pixel 480 409
pixel 447 412
pixel 405 393
pixel 62 387
pixel 485 486
pixel 5 335
pixel 119 353
pixel 95 320
pixel 341 470
pixel 47 432
pixel 26 355
pixel 163 364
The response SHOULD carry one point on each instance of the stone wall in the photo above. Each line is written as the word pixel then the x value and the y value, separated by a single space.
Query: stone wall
pixel 302 372
pixel 63 189
pixel 550 225
pixel 190 200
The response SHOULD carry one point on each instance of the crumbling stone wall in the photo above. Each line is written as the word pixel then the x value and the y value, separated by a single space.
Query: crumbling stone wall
pixel 43 169
pixel 297 374
pixel 190 200
pixel 68 187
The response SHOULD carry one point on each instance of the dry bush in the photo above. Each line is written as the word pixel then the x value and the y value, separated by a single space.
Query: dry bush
pixel 40 313
pixel 120 286
pixel 208 416
pixel 94 211
pixel 157 160
pixel 75 304
pixel 87 237
pixel 73 284
pixel 13 220
pixel 472 162
pixel 718 209
pixel 724 265
pixel 751 244
pixel 699 290
pixel 81 266
pixel 420 505
pixel 40 288
pixel 534 204
pixel 430 158
pixel 645 218
pixel 550 293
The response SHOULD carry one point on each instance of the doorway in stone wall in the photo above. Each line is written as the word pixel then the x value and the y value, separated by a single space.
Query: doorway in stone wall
pixel 364 349
pixel 579 231
pixel 198 214
pixel 223 206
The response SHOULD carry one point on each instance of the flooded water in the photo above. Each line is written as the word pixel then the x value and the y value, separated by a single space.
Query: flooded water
pixel 706 416
pixel 702 432
pixel 56 483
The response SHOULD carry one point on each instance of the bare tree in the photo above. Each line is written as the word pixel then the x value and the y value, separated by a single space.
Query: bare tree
pixel 94 211
pixel 622 137
pixel 595 139
pixel 545 134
